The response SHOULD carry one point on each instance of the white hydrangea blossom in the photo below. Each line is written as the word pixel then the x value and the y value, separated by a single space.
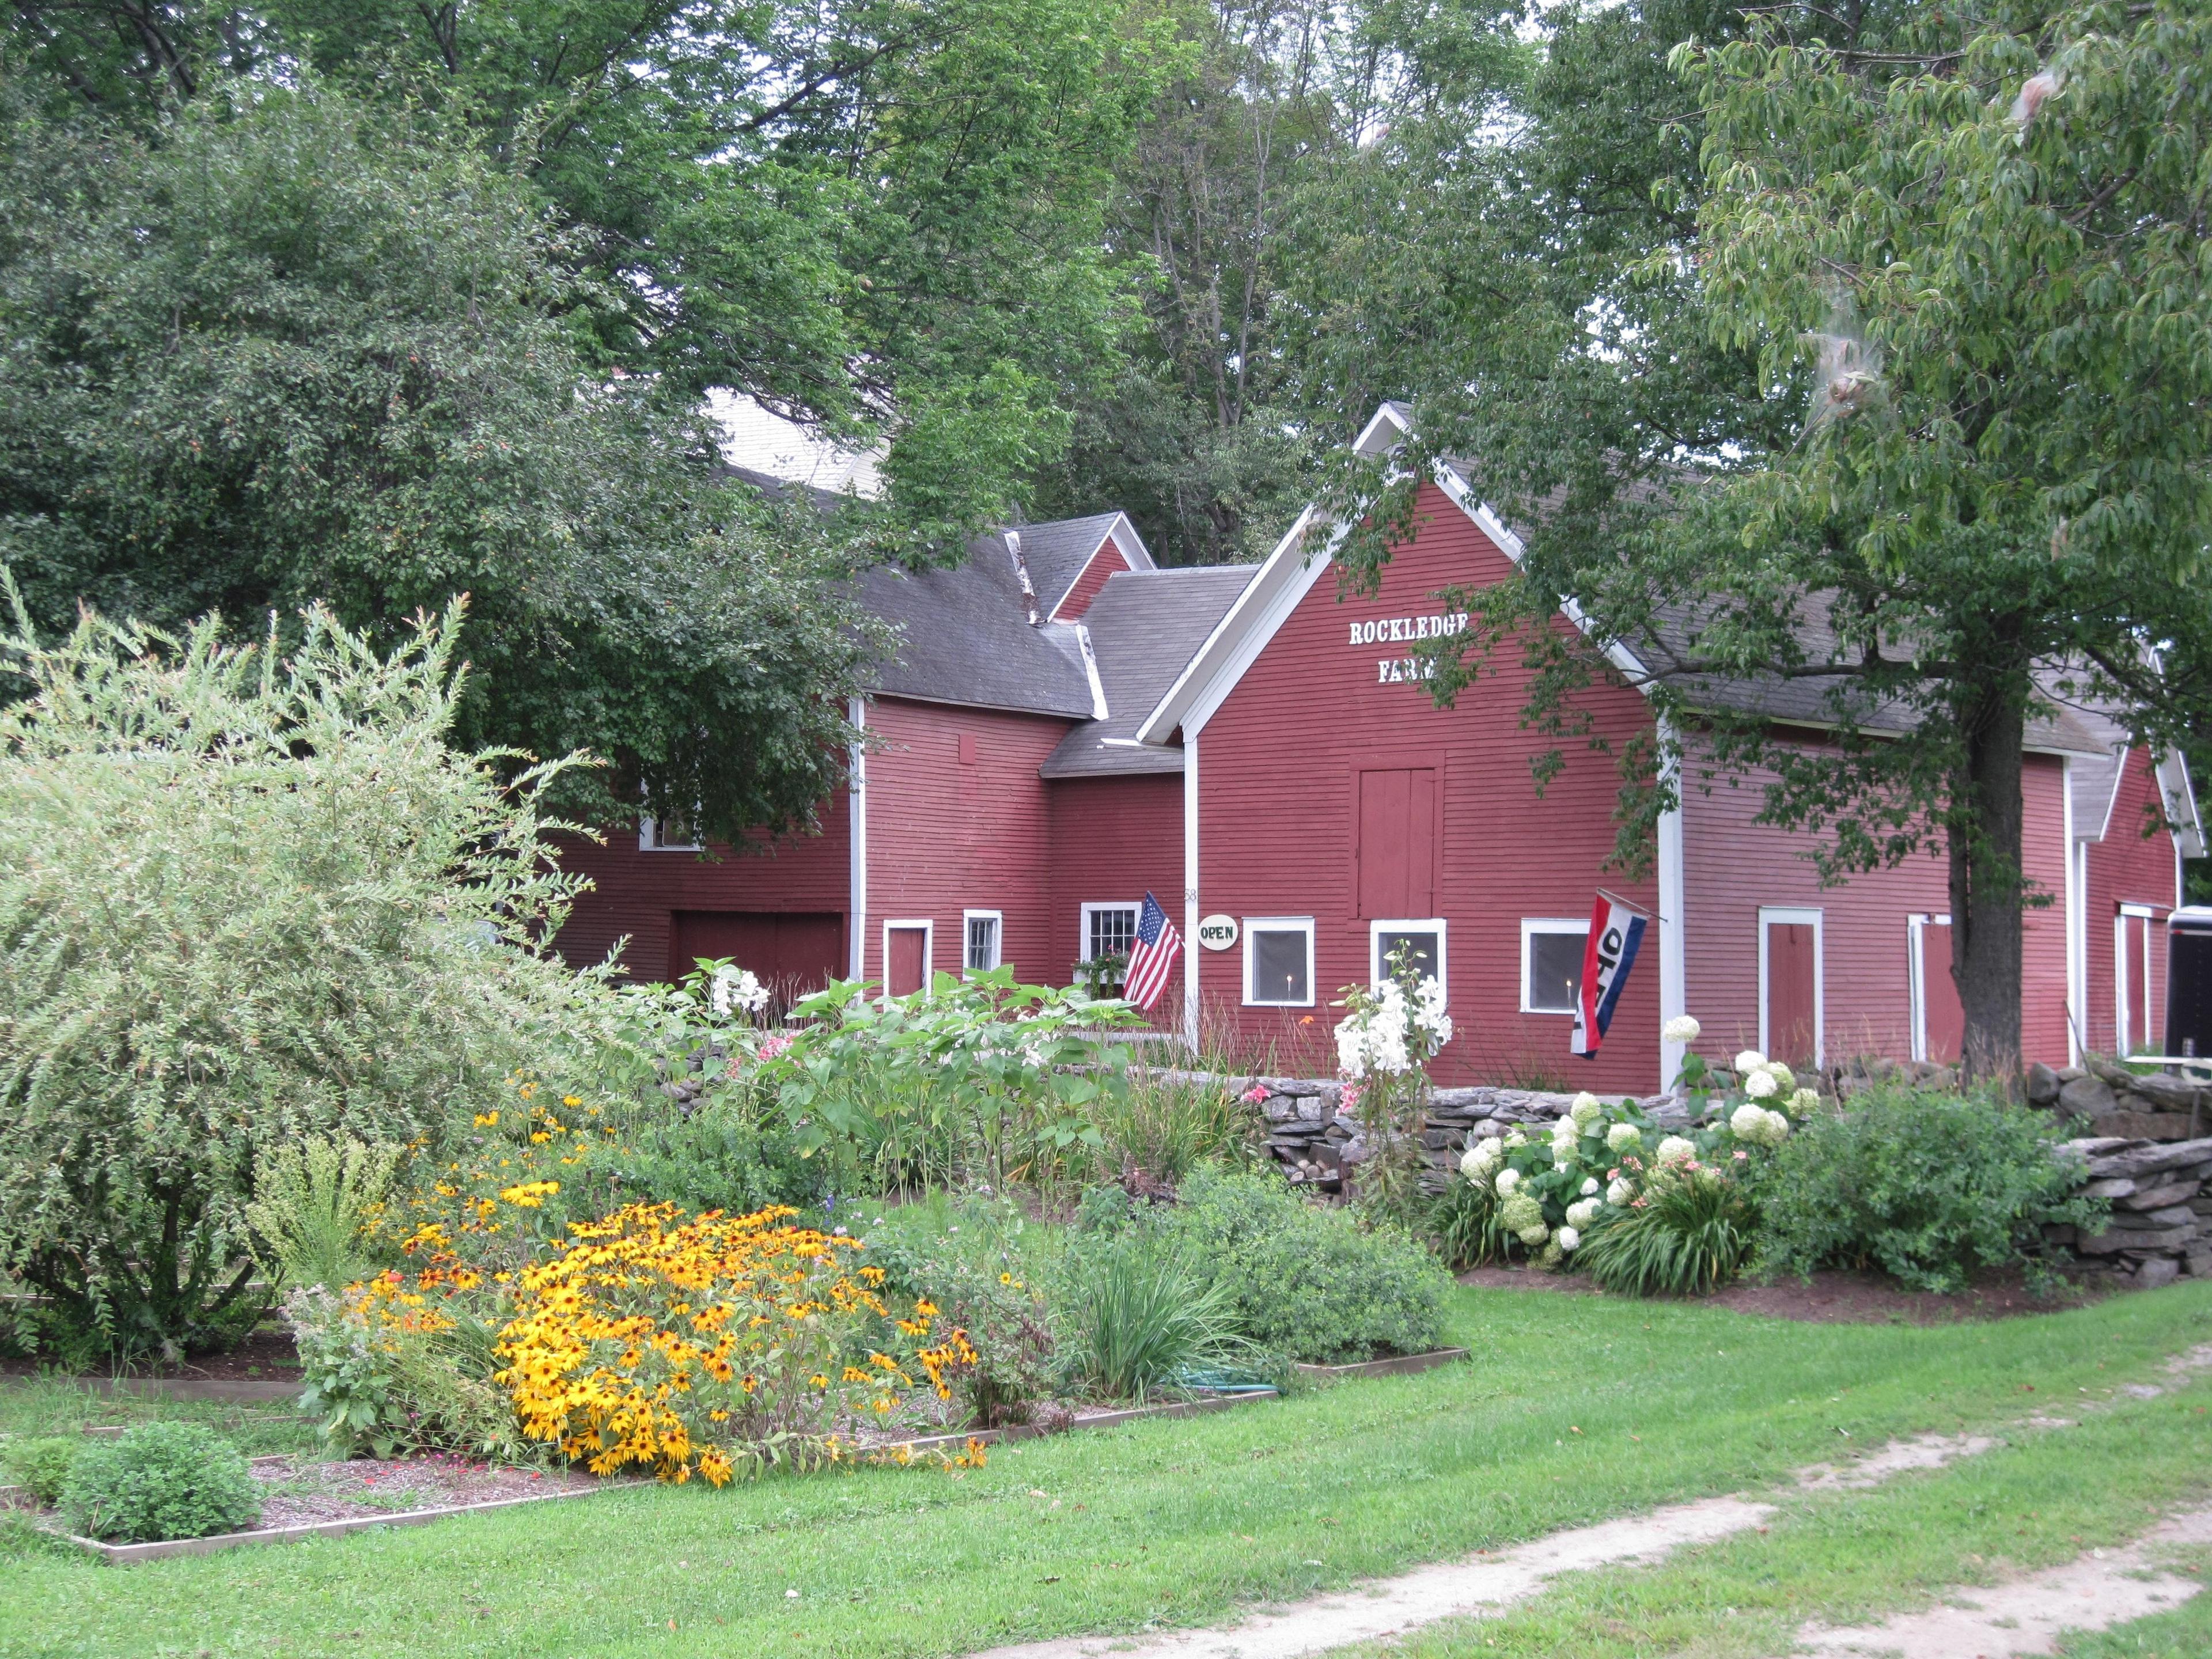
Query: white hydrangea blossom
pixel 1619 1194
pixel 1683 1028
pixel 1480 1159
pixel 1585 1109
pixel 1589 1186
pixel 1567 1239
pixel 1761 1085
pixel 1749 1060
pixel 1776 1129
pixel 1675 1149
pixel 1623 1135
pixel 1507 1181
pixel 1804 1101
pixel 1749 1122
pixel 1582 1212
pixel 1784 1079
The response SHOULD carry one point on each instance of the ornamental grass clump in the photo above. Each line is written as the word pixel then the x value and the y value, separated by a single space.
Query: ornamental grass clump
pixel 719 1346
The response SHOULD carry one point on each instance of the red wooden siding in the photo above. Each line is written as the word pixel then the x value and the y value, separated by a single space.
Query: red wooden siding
pixel 2126 868
pixel 958 819
pixel 636 894
pixel 1105 564
pixel 1732 866
pixel 1280 767
pixel 1113 841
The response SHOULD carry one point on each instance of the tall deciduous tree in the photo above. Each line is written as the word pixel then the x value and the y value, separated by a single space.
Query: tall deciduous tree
pixel 1967 250
pixel 290 348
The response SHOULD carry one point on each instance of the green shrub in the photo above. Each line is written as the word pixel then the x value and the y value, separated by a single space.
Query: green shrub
pixel 313 1203
pixel 160 1480
pixel 245 895
pixel 389 1388
pixel 41 1465
pixel 967 1258
pixel 1304 1281
pixel 1926 1185
pixel 1464 1222
pixel 1140 1316
pixel 1686 1233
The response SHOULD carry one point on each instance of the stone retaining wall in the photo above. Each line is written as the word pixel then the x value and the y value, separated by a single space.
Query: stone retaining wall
pixel 2162 1225
pixel 2121 1105
pixel 1311 1135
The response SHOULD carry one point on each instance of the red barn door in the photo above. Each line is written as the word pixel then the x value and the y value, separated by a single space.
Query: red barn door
pixel 1791 995
pixel 907 970
pixel 795 952
pixel 1941 1017
pixel 1396 855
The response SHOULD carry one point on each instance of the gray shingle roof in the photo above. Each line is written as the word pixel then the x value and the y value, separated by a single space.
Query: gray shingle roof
pixel 964 637
pixel 1056 553
pixel 1145 626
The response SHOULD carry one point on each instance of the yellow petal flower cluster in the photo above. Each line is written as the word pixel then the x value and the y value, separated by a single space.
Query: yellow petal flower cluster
pixel 711 1344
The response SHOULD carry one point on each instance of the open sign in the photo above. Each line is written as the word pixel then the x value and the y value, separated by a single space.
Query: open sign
pixel 1217 933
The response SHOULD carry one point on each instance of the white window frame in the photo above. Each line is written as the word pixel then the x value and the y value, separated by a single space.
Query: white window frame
pixel 1134 906
pixel 928 951
pixel 1532 926
pixel 997 920
pixel 2123 1008
pixel 1916 971
pixel 1798 916
pixel 1253 926
pixel 1401 925
pixel 649 839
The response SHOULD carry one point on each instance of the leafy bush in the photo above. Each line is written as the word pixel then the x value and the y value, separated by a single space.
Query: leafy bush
pixel 160 1480
pixel 1926 1185
pixel 246 894
pixel 1688 1233
pixel 966 1259
pixel 314 1204
pixel 1141 1316
pixel 41 1465
pixel 1303 1281
pixel 385 1371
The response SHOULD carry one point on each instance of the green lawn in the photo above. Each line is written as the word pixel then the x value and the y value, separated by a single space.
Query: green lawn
pixel 1573 1409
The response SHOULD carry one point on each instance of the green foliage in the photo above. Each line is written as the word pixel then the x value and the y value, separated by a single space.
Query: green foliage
pixel 1928 1186
pixel 1301 1281
pixel 245 896
pixel 1463 1221
pixel 160 1480
pixel 978 1081
pixel 968 1258
pixel 1140 1314
pixel 312 1202
pixel 305 347
pixel 41 1465
pixel 1166 1126
pixel 388 1385
pixel 1685 1233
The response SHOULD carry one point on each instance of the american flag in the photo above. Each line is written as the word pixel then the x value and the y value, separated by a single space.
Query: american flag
pixel 1152 954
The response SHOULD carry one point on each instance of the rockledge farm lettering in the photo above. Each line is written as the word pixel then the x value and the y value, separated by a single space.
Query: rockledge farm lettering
pixel 1406 630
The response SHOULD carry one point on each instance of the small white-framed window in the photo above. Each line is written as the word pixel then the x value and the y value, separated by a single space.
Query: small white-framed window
pixel 2132 930
pixel 665 835
pixel 1421 939
pixel 1279 962
pixel 1110 929
pixel 1552 963
pixel 983 930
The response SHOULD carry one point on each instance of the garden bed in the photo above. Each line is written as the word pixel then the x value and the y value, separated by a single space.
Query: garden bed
pixel 1835 1296
pixel 309 1499
pixel 1397 1365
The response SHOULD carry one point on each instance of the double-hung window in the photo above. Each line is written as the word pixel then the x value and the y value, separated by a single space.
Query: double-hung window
pixel 1418 944
pixel 1279 962
pixel 1552 963
pixel 1110 931
pixel 983 929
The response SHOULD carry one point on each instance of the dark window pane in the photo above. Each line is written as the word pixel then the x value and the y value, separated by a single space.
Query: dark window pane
pixel 982 942
pixel 1420 950
pixel 1555 971
pixel 1279 966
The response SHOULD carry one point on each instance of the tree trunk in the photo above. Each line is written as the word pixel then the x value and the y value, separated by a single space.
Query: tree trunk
pixel 1987 887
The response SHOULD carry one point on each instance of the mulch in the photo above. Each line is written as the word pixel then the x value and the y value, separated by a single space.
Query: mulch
pixel 304 1492
pixel 1836 1298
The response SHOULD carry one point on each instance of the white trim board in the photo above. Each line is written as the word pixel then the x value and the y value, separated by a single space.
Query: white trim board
pixel 998 919
pixel 928 930
pixel 1252 927
pixel 1558 927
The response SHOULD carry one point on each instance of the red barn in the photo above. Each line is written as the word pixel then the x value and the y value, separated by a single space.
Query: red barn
pixel 1063 727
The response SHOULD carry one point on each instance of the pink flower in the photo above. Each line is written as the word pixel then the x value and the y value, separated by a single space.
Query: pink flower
pixel 772 1047
pixel 1741 1155
pixel 1350 1097
pixel 1253 1096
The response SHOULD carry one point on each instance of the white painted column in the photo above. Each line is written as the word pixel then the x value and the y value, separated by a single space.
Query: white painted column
pixel 1674 958
pixel 1190 904
pixel 2077 921
pixel 857 804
